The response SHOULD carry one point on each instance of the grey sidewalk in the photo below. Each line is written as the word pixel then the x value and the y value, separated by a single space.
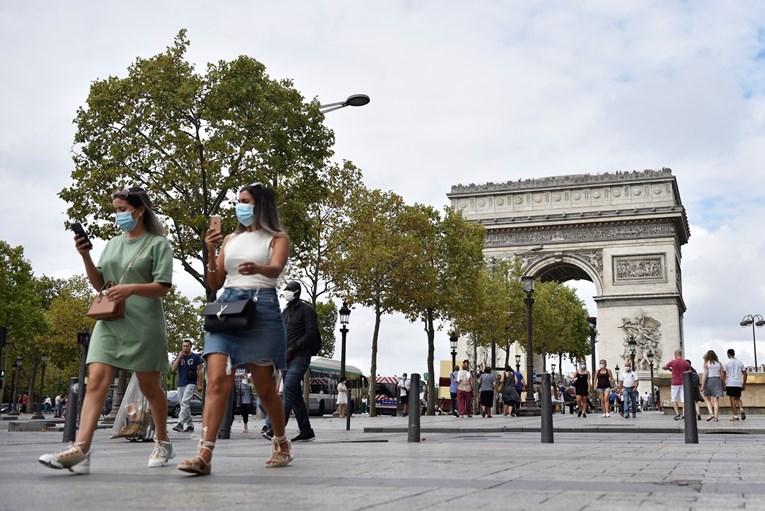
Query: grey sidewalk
pixel 357 470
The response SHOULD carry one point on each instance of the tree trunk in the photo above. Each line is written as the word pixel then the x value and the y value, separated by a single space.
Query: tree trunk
pixel 432 396
pixel 373 366
pixel 507 355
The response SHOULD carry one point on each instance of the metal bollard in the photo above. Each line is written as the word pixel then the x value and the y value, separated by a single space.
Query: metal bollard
pixel 224 433
pixel 70 425
pixel 348 411
pixel 547 410
pixel 414 409
pixel 689 412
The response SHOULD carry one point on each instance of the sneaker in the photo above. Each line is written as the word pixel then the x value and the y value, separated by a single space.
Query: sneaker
pixel 603 416
pixel 678 417
pixel 584 415
pixel 734 418
pixel 178 427
pixel 267 434
pixel 307 436
pixel 189 428
pixel 627 416
pixel 579 414
pixel 71 458
pixel 608 415
pixel 743 415
pixel 161 454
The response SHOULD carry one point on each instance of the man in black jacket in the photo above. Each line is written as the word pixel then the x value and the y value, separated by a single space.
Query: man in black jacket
pixel 303 342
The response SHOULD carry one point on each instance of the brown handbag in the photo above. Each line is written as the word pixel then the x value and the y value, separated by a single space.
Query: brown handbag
pixel 104 309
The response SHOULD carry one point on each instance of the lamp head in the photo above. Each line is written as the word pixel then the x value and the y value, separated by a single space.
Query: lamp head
pixel 517 359
pixel 528 283
pixel 345 314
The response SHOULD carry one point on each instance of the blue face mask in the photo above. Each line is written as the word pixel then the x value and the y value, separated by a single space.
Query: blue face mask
pixel 125 220
pixel 245 213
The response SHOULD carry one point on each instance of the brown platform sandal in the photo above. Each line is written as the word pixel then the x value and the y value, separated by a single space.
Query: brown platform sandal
pixel 279 457
pixel 197 465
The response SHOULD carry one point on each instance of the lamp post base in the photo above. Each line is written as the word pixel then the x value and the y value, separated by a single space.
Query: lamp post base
pixel 529 410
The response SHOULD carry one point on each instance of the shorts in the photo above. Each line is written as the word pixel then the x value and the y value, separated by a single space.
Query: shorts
pixel 264 344
pixel 403 399
pixel 487 398
pixel 677 393
pixel 604 390
pixel 733 391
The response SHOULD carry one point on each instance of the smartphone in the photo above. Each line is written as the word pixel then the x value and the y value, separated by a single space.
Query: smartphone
pixel 215 223
pixel 79 232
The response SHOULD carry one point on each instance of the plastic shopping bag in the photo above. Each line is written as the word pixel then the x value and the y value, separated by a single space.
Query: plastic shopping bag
pixel 134 416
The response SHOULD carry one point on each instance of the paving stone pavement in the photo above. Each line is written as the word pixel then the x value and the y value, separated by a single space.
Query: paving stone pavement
pixel 474 467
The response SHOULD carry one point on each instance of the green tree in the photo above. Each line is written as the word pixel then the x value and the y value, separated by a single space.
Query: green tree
pixel 443 254
pixel 370 267
pixel 324 230
pixel 560 321
pixel 192 139
pixel 183 320
pixel 326 313
pixel 20 308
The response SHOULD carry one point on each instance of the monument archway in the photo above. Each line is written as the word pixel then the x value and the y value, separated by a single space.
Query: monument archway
pixel 623 231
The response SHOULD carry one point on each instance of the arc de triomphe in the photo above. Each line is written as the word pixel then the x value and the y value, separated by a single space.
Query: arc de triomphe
pixel 622 231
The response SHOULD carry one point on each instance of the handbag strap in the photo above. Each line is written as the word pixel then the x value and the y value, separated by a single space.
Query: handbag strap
pixel 129 266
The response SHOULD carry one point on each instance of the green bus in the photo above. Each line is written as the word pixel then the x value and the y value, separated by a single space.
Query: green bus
pixel 323 375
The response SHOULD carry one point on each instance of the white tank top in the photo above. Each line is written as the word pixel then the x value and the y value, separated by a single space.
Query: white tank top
pixel 251 247
pixel 713 369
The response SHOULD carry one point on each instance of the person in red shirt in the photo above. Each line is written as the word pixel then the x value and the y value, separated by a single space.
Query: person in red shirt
pixel 678 366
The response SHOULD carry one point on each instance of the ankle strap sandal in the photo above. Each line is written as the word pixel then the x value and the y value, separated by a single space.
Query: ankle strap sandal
pixel 197 465
pixel 280 453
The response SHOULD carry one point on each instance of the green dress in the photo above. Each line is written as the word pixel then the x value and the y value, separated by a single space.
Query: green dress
pixel 137 342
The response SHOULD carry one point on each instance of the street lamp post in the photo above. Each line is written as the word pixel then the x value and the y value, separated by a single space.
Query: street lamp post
pixel 517 363
pixel 352 100
pixel 650 362
pixel 754 320
pixel 530 407
pixel 632 346
pixel 616 370
pixel 593 322
pixel 40 398
pixel 453 340
pixel 552 370
pixel 14 389
pixel 345 316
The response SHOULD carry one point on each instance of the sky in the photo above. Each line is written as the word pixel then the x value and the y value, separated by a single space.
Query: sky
pixel 460 92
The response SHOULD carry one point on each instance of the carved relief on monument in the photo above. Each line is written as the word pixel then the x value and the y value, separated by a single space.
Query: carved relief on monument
pixel 637 268
pixel 510 237
pixel 647 333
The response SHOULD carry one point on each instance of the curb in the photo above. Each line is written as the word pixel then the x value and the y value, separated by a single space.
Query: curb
pixel 603 429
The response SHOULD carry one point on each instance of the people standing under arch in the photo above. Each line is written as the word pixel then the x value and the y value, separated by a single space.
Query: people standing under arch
pixel 712 382
pixel 582 388
pixel 679 367
pixel 604 382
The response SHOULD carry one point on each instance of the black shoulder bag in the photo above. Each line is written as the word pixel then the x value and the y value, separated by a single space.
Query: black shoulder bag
pixel 230 316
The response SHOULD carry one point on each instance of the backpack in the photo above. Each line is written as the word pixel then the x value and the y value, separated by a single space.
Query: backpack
pixel 518 382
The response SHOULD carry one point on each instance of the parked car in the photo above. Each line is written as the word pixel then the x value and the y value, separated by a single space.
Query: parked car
pixel 174 405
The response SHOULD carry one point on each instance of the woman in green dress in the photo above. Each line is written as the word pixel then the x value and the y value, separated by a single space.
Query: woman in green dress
pixel 139 263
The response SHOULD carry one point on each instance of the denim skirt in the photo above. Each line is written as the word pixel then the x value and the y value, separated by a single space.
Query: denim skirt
pixel 713 387
pixel 265 343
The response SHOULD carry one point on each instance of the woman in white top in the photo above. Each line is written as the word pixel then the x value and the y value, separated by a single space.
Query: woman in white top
pixel 711 382
pixel 249 263
pixel 342 397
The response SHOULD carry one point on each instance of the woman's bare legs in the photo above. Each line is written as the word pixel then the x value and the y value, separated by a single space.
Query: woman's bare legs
pixel 218 390
pixel 149 382
pixel 265 386
pixel 100 377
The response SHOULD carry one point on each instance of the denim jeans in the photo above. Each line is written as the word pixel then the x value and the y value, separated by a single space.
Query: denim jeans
pixel 184 398
pixel 454 401
pixel 630 395
pixel 293 393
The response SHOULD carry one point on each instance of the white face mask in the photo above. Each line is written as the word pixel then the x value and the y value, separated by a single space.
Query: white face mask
pixel 288 295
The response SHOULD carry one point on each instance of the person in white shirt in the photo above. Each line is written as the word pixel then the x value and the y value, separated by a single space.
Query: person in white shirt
pixel 735 381
pixel 630 382
pixel 403 391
